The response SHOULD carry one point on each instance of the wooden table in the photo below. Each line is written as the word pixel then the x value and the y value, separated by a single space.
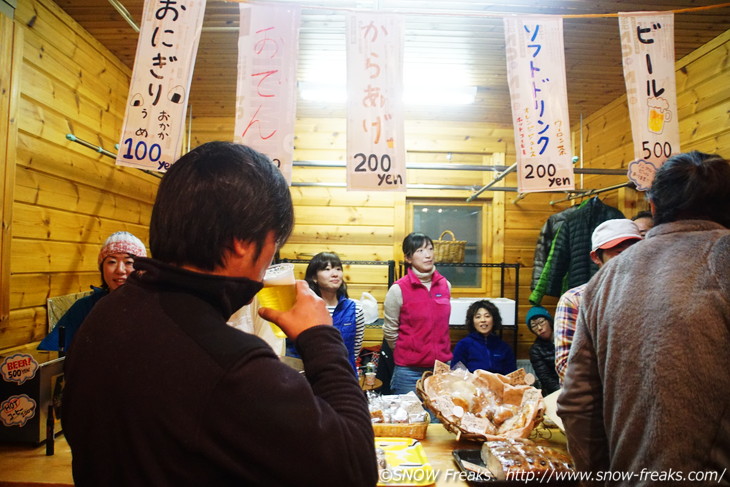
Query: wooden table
pixel 439 445
pixel 25 466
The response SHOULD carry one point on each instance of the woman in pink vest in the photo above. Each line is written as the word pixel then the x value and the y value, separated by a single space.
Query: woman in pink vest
pixel 416 311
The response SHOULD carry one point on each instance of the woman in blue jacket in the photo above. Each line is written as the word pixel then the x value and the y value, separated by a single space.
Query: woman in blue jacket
pixel 324 276
pixel 482 348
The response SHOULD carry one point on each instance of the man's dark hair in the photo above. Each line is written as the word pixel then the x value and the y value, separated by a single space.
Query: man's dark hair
pixel 489 306
pixel 218 192
pixel 692 186
pixel 320 262
pixel 642 214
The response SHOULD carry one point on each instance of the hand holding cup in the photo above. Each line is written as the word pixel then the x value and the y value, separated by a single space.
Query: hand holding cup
pixel 309 310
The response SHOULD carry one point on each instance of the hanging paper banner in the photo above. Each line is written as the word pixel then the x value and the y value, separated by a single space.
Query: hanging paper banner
pixel 266 96
pixel 154 121
pixel 536 77
pixel 647 46
pixel 375 140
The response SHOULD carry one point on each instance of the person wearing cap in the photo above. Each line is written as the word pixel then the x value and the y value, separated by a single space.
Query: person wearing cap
pixel 608 240
pixel 115 261
pixel 648 377
pixel 542 351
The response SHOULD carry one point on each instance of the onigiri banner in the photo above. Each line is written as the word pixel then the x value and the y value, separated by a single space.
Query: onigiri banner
pixel 647 46
pixel 536 77
pixel 154 121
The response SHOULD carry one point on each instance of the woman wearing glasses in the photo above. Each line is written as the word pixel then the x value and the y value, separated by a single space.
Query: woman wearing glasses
pixel 542 352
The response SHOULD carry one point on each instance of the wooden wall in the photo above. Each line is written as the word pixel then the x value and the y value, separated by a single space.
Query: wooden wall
pixel 64 199
pixel 61 200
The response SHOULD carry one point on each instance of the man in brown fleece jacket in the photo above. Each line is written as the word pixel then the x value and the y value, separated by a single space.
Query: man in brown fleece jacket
pixel 645 399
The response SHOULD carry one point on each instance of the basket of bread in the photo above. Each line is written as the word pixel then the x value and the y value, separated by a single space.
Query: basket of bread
pixel 480 405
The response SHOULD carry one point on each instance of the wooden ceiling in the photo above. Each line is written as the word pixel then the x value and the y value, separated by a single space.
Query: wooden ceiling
pixel 457 36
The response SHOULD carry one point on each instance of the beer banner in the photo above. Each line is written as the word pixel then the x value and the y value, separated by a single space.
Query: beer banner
pixel 536 78
pixel 647 46
pixel 375 145
pixel 266 97
pixel 154 121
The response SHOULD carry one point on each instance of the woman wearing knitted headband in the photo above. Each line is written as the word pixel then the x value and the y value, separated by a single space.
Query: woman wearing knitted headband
pixel 115 260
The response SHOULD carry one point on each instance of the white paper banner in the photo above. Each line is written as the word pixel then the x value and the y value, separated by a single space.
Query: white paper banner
pixel 154 121
pixel 375 145
pixel 266 96
pixel 647 45
pixel 536 77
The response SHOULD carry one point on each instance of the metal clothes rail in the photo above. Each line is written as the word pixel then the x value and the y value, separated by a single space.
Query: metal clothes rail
pixel 389 263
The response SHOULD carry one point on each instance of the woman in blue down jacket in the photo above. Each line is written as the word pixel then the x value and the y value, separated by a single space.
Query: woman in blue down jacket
pixel 482 348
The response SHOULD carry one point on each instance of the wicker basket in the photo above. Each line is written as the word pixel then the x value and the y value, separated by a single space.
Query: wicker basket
pixel 460 433
pixel 449 251
pixel 450 426
pixel 399 430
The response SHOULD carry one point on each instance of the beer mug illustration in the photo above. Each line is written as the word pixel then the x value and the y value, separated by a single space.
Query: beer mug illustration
pixel 658 114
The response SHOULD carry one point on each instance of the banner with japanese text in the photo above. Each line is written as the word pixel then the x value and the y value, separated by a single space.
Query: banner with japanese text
pixel 154 121
pixel 375 135
pixel 538 91
pixel 647 46
pixel 266 95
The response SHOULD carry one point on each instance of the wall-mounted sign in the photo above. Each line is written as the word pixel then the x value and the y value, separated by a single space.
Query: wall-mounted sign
pixel 18 368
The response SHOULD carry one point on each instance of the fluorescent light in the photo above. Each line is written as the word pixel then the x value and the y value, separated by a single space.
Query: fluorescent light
pixel 421 95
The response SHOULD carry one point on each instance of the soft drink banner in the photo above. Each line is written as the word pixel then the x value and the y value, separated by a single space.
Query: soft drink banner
pixel 375 145
pixel 647 45
pixel 154 121
pixel 536 77
pixel 266 96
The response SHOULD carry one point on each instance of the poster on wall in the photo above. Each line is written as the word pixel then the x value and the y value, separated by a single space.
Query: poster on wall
pixel 266 97
pixel 375 135
pixel 647 47
pixel 538 92
pixel 154 120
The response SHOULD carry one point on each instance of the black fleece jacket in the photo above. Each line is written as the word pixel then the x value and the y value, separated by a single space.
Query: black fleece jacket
pixel 160 391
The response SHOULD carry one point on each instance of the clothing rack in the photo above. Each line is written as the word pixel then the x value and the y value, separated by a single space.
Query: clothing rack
pixel 585 194
pixel 389 263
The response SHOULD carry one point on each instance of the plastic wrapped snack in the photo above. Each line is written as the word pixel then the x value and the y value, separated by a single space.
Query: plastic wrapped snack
pixel 507 459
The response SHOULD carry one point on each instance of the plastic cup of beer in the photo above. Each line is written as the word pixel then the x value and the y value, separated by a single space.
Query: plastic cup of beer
pixel 279 291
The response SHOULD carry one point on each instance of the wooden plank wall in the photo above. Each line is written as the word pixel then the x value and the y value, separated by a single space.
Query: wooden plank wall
pixel 67 198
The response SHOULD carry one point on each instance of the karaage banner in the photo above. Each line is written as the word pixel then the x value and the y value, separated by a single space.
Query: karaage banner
pixel 375 145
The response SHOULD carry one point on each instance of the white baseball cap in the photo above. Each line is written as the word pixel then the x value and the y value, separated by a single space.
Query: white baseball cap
pixel 612 232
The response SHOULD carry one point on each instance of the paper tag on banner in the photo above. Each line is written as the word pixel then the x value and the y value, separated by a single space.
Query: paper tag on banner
pixel 375 138
pixel 266 98
pixel 536 77
pixel 154 121
pixel 647 46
